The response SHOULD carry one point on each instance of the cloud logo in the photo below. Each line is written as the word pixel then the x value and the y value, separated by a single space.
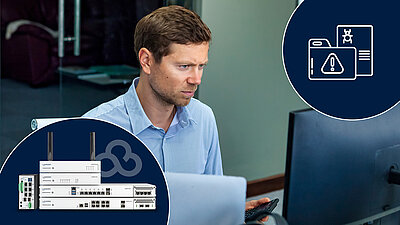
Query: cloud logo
pixel 117 165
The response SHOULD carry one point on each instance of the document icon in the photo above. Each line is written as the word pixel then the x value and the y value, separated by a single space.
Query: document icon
pixel 330 63
pixel 360 37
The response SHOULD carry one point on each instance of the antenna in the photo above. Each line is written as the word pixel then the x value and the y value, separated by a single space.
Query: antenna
pixel 49 146
pixel 92 146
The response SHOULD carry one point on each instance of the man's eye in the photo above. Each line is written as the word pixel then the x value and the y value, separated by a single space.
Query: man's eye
pixel 202 66
pixel 183 66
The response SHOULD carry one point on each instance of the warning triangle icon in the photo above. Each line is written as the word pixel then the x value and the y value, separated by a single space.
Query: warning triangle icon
pixel 332 65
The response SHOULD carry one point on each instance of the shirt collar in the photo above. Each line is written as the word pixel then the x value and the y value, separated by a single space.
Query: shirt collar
pixel 184 116
pixel 138 118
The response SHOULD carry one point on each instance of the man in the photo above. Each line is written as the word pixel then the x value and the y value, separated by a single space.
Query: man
pixel 172 46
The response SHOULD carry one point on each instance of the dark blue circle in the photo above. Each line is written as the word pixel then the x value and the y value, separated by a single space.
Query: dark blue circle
pixel 363 97
pixel 71 142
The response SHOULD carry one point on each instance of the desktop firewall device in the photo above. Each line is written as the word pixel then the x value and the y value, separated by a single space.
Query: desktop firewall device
pixel 70 167
pixel 69 172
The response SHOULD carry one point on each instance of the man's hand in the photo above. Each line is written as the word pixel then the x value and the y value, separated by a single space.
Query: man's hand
pixel 254 203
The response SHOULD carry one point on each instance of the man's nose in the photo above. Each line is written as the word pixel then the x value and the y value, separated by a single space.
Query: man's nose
pixel 195 76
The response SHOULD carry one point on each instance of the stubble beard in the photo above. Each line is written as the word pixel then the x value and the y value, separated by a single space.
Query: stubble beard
pixel 166 98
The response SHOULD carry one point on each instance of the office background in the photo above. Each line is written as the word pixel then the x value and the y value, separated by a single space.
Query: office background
pixel 246 86
pixel 244 83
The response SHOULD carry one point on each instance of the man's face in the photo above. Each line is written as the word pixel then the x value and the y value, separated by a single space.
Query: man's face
pixel 175 79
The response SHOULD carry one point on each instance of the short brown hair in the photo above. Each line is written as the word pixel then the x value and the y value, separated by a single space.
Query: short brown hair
pixel 167 25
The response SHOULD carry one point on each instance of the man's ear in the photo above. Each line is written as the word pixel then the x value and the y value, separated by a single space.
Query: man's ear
pixel 146 59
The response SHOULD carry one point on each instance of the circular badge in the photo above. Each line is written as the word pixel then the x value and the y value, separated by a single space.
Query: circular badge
pixel 83 171
pixel 341 56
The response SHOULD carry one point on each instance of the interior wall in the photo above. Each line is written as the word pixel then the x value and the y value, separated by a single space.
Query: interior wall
pixel 246 86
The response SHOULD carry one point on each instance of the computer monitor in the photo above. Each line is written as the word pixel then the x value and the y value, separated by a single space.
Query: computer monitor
pixel 337 171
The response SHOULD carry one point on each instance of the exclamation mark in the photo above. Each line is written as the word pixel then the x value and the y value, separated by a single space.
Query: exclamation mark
pixel 332 63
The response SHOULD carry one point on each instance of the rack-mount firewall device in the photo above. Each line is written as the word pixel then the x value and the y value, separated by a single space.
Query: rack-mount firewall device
pixel 98 203
pixel 136 190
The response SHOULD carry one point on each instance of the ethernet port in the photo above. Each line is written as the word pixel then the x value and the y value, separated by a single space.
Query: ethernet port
pixel 98 192
pixel 147 206
pixel 94 193
pixel 86 205
pixel 80 205
pixel 102 193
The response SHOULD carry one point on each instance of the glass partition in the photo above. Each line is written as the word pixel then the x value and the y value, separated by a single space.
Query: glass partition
pixel 62 58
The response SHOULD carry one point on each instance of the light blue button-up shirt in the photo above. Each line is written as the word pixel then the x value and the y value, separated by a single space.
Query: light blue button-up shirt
pixel 191 143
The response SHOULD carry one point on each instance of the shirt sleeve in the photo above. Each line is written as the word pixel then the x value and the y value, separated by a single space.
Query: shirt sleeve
pixel 214 161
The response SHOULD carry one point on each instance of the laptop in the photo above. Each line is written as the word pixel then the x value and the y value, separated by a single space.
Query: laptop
pixel 206 199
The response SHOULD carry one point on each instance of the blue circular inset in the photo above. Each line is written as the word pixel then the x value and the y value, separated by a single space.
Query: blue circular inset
pixel 341 56
pixel 71 140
